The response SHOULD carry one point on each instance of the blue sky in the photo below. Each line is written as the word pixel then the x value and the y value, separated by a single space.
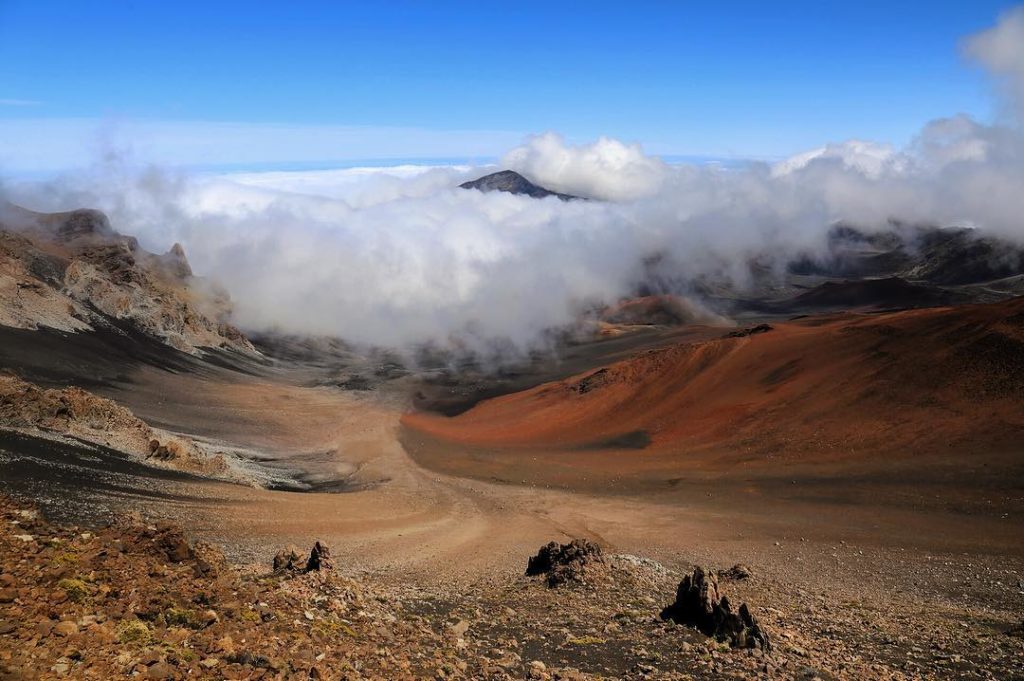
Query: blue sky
pixel 308 81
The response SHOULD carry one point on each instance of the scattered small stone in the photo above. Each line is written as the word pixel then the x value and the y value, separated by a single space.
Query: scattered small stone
pixel 65 628
pixel 161 671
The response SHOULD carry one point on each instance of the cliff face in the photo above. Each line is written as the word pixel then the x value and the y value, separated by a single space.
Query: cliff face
pixel 72 272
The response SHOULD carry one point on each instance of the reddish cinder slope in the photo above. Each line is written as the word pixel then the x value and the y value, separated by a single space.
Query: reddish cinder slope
pixel 904 383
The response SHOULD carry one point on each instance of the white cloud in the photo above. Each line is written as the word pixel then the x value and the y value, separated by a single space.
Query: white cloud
pixel 359 186
pixel 1000 49
pixel 605 169
pixel 400 255
pixel 870 158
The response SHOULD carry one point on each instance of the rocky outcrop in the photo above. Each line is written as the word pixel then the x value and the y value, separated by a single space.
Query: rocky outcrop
pixel 749 331
pixel 289 560
pixel 700 604
pixel 77 413
pixel 73 272
pixel 561 563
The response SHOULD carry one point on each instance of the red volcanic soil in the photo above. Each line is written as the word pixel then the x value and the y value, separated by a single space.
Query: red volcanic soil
pixel 830 388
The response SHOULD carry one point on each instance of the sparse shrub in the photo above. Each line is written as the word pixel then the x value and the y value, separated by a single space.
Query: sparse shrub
pixel 133 631
pixel 76 589
pixel 183 617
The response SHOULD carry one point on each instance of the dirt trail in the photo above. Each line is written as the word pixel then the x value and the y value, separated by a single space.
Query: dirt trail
pixel 830 547
pixel 400 519
pixel 415 523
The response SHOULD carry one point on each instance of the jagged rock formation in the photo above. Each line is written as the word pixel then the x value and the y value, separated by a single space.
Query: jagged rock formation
pixel 289 560
pixel 72 272
pixel 562 563
pixel 319 558
pixel 700 604
pixel 512 182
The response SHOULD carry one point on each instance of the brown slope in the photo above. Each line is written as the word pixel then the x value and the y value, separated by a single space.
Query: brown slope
pixel 827 388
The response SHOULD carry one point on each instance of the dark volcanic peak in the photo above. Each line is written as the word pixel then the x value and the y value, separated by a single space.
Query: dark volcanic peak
pixel 512 182
pixel 891 292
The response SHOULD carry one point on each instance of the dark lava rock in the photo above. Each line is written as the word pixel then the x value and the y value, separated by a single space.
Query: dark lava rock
pixel 250 659
pixel 749 331
pixel 319 558
pixel 565 562
pixel 699 604
pixel 591 381
pixel 736 573
pixel 512 182
pixel 172 543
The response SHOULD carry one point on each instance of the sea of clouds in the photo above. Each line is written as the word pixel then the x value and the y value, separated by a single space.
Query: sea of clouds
pixel 400 255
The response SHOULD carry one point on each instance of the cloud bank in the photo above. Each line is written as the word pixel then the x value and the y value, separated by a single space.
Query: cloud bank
pixel 396 256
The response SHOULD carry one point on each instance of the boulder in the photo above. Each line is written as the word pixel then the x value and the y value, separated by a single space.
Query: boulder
pixel 171 541
pixel 700 604
pixel 562 563
pixel 737 573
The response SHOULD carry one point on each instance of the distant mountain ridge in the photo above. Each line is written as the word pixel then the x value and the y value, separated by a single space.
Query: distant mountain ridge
pixel 512 182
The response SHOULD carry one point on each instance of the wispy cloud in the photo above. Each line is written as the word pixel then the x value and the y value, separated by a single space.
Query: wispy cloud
pixel 10 101
pixel 44 144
